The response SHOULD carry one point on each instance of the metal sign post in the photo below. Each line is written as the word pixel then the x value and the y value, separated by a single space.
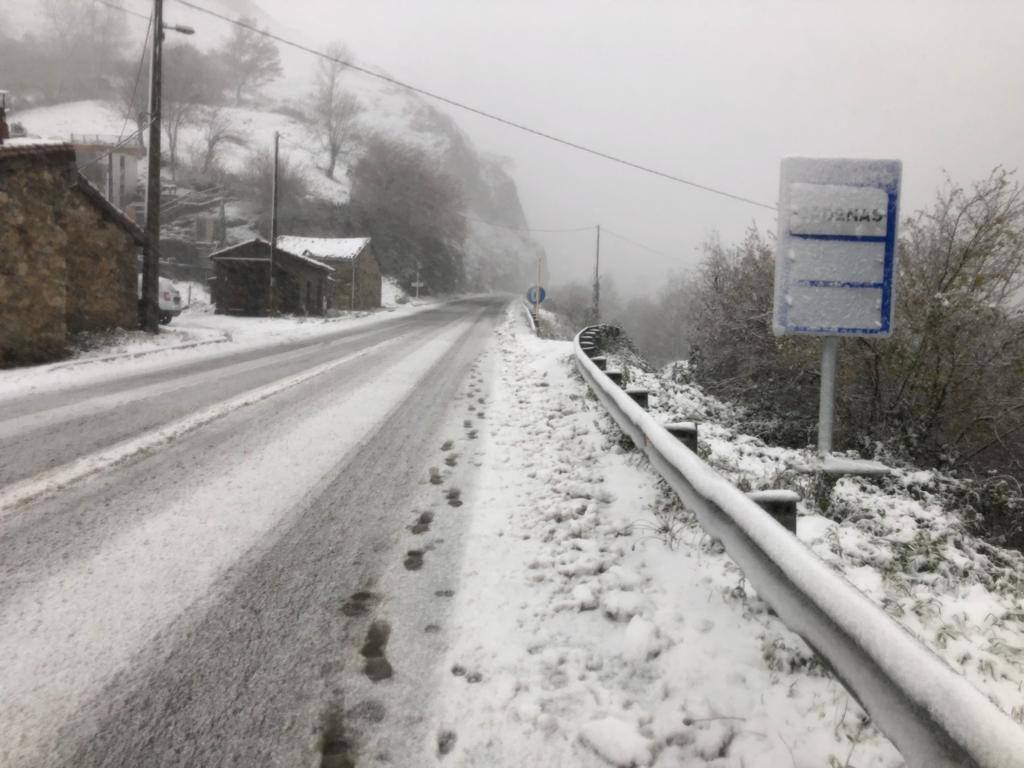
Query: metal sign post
pixel 835 259
pixel 827 399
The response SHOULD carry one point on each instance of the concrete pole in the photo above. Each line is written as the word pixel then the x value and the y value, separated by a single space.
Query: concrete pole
pixel 826 405
pixel 151 250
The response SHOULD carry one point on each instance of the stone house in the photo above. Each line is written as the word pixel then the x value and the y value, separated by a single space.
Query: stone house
pixel 240 283
pixel 68 257
pixel 356 280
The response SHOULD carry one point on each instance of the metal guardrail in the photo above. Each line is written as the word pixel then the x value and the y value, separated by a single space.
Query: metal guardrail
pixel 934 717
pixel 529 318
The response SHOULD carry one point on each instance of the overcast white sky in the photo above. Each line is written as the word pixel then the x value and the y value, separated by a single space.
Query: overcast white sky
pixel 717 92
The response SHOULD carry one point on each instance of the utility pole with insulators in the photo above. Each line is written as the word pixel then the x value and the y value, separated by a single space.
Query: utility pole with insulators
pixel 273 227
pixel 151 250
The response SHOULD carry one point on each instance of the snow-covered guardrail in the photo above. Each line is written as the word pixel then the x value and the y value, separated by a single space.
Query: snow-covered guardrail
pixel 933 716
pixel 529 317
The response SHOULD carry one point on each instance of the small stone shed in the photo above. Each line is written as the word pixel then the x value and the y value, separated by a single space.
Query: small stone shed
pixel 355 282
pixel 240 284
pixel 68 258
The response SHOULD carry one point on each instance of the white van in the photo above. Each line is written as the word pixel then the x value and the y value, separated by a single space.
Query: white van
pixel 168 298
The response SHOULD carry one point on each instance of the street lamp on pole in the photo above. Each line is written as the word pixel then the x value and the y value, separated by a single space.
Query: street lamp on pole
pixel 151 249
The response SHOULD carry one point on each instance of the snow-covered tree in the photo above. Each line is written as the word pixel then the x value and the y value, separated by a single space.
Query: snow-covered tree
pixel 333 112
pixel 251 60
pixel 191 80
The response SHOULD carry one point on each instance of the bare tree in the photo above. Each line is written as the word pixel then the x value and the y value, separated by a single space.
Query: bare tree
pixel 191 79
pixel 333 111
pixel 217 131
pixel 413 210
pixel 292 189
pixel 85 40
pixel 131 88
pixel 251 60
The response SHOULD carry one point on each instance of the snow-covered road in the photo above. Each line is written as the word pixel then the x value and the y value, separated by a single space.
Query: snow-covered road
pixel 417 542
pixel 203 601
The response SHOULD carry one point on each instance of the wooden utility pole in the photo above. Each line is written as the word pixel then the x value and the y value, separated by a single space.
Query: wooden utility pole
pixel 597 278
pixel 151 249
pixel 273 227
pixel 536 293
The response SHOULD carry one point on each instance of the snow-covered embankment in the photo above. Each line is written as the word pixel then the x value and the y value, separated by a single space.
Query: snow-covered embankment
pixel 597 624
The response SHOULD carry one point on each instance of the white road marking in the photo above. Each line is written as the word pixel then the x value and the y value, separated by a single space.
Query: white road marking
pixel 18 493
pixel 66 636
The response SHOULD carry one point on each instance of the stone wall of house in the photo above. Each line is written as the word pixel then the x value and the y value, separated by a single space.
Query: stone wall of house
pixel 368 283
pixel 101 269
pixel 300 287
pixel 240 287
pixel 66 265
pixel 33 273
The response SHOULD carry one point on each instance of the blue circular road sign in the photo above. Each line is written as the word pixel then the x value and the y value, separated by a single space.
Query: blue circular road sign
pixel 531 295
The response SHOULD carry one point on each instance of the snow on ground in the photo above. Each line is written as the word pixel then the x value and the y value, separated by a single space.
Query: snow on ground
pixel 388 112
pixel 890 537
pixel 195 334
pixel 255 128
pixel 56 662
pixel 392 294
pixel 596 625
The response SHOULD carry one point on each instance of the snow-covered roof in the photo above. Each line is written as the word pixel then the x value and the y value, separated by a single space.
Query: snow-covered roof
pixel 333 248
pixel 30 146
pixel 227 254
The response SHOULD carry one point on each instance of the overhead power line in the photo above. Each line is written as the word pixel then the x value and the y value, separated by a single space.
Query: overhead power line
pixel 631 241
pixel 121 8
pixel 524 229
pixel 138 77
pixel 474 110
pixel 591 228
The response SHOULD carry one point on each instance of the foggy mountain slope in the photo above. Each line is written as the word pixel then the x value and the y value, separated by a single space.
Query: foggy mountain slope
pixel 496 257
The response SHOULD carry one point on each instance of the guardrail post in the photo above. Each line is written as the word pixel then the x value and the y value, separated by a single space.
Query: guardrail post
pixel 685 432
pixel 615 377
pixel 781 505
pixel 601 362
pixel 640 397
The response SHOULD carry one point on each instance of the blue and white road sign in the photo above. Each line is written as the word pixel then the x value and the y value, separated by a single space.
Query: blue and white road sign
pixel 834 262
pixel 531 295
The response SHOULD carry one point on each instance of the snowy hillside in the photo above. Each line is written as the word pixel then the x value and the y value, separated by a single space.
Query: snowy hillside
pixel 496 255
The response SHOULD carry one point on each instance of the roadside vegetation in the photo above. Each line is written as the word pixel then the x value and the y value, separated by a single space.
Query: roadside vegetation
pixel 945 392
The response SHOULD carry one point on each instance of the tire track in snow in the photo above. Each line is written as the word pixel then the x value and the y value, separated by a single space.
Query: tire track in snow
pixel 19 493
pixel 64 639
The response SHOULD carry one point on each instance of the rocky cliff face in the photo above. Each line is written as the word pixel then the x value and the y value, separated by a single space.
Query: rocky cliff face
pixel 498 257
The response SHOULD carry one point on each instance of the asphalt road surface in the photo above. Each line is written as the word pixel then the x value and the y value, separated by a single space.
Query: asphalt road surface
pixel 255 590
